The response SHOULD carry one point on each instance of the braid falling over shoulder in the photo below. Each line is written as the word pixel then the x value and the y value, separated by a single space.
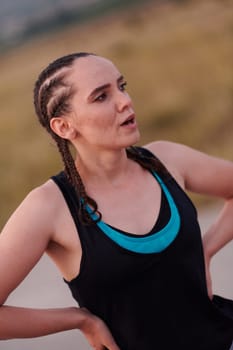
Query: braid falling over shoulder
pixel 52 98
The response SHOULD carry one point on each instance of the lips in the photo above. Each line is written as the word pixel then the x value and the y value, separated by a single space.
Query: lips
pixel 129 120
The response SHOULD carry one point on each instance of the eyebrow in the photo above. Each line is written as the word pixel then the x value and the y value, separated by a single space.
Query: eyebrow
pixel 102 87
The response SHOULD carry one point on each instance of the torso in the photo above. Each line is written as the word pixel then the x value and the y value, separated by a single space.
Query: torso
pixel 126 271
pixel 121 207
pixel 187 266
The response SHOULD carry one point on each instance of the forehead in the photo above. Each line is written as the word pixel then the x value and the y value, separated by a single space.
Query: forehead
pixel 91 71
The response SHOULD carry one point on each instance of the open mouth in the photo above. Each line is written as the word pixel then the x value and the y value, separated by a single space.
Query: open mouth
pixel 129 121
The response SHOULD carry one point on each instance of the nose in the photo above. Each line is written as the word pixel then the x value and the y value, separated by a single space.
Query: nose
pixel 123 101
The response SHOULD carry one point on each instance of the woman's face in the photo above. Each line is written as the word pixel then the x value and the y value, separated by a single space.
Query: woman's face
pixel 103 115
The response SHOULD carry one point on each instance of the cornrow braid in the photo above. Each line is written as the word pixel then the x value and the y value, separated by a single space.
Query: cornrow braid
pixel 75 179
pixel 52 98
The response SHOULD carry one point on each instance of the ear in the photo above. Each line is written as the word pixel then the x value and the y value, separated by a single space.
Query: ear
pixel 63 128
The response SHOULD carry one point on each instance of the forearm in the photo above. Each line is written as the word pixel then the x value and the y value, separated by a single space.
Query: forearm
pixel 221 231
pixel 18 322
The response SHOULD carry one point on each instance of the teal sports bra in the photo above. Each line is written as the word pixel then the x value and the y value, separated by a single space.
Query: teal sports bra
pixel 157 241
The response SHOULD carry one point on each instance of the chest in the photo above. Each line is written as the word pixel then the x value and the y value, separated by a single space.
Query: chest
pixel 123 266
pixel 132 208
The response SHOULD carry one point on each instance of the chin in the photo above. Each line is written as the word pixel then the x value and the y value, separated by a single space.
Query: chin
pixel 137 138
pixel 132 140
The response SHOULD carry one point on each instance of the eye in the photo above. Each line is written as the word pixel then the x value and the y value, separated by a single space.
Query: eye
pixel 122 86
pixel 101 97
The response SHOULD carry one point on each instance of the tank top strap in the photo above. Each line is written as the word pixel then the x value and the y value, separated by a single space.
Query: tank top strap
pixel 69 194
pixel 162 171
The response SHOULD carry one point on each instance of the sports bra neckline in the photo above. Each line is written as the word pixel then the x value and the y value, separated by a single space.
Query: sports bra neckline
pixel 148 243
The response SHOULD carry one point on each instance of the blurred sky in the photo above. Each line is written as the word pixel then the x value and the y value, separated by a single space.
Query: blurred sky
pixel 15 16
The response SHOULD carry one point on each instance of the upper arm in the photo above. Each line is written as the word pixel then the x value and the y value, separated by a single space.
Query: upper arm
pixel 23 241
pixel 199 172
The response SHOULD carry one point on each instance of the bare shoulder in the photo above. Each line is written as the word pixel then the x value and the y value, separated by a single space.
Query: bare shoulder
pixel 41 192
pixel 170 154
pixel 45 196
pixel 197 171
pixel 167 151
pixel 37 211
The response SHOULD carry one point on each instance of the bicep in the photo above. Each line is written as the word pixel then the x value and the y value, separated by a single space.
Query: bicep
pixel 22 242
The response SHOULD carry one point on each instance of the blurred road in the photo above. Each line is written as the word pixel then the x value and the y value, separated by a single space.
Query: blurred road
pixel 45 288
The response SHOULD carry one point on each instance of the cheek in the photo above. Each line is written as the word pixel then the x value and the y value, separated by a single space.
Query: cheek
pixel 102 119
pixel 95 119
pixel 100 128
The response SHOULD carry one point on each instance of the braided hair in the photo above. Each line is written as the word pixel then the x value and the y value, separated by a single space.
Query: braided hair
pixel 52 96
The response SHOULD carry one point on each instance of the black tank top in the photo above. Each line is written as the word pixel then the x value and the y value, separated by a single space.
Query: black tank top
pixel 151 300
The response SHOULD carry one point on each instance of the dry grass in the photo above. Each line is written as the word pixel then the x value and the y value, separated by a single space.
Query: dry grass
pixel 177 60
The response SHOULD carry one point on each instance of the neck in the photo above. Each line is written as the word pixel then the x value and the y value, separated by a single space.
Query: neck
pixel 107 167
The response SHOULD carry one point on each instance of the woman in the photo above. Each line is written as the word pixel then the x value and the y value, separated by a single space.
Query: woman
pixel 118 224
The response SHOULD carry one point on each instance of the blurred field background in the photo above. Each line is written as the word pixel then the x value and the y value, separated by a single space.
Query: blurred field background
pixel 177 57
